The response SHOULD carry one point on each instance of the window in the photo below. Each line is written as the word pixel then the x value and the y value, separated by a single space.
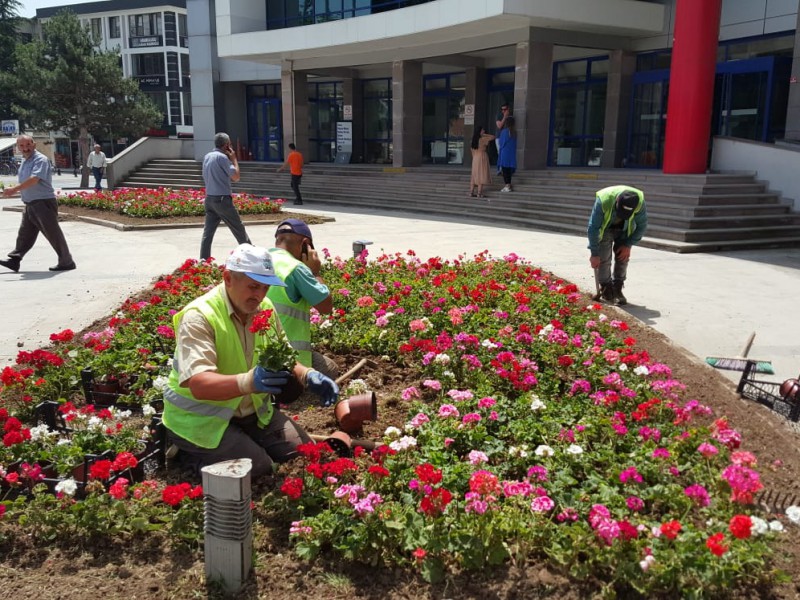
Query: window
pixel 186 74
pixel 147 64
pixel 145 25
pixel 114 28
pixel 183 31
pixel 187 108
pixel 160 100
pixel 97 29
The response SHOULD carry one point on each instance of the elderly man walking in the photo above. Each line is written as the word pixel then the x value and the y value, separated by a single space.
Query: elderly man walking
pixel 220 169
pixel 40 214
pixel 97 163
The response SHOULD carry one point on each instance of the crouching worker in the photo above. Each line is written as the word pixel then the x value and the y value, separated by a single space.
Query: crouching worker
pixel 618 222
pixel 218 405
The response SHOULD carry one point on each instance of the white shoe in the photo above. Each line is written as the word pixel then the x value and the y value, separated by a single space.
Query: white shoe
pixel 506 189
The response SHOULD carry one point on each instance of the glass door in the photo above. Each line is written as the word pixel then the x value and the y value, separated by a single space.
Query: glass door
pixel 741 98
pixel 265 134
pixel 443 119
pixel 648 119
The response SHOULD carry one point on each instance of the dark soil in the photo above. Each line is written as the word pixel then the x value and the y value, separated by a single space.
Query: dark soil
pixel 146 567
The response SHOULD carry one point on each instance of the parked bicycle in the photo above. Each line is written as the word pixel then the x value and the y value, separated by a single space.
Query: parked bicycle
pixel 8 167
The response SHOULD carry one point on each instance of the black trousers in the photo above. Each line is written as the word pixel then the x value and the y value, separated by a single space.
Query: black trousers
pixel 41 216
pixel 296 187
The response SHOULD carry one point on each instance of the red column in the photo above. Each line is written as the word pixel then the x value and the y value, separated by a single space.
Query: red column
pixel 691 85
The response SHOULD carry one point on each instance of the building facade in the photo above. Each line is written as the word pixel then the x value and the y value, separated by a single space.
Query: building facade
pixel 405 82
pixel 152 38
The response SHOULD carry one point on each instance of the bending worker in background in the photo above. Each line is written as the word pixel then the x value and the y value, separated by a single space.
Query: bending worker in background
pixel 618 222
pixel 218 404
pixel 297 263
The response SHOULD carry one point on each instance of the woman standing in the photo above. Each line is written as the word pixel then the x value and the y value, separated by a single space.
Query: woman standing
pixel 480 162
pixel 507 158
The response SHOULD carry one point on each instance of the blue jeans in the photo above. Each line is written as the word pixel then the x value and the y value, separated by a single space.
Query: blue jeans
pixel 221 208
pixel 98 177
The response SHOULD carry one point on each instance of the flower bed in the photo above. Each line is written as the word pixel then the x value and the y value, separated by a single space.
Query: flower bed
pixel 164 202
pixel 537 429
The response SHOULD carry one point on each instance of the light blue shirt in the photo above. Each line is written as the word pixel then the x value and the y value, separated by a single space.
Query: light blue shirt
pixel 37 165
pixel 217 172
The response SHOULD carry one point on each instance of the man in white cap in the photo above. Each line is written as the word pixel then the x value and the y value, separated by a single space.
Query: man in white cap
pixel 218 403
pixel 618 222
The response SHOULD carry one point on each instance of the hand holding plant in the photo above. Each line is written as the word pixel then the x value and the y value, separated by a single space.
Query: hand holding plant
pixel 274 352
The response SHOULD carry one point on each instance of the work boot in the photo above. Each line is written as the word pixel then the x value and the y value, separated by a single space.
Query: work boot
pixel 619 298
pixel 607 292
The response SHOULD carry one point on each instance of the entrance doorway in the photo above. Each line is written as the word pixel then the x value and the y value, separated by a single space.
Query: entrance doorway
pixel 264 129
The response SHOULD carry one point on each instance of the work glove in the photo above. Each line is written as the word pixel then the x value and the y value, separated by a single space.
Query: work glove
pixel 322 386
pixel 269 382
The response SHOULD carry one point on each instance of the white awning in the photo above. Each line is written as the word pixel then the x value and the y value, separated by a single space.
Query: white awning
pixel 6 143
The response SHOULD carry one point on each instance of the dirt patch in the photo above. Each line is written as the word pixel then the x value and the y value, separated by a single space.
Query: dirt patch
pixel 147 567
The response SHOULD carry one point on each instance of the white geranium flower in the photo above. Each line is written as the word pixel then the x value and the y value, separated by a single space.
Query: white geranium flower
pixel 148 411
pixel 760 526
pixel 642 371
pixel 574 449
pixel 544 450
pixel 537 404
pixel 94 424
pixel 776 526
pixel 67 487
pixel 546 330
pixel 404 443
pixel 448 374
pixel 41 433
pixel 793 514
pixel 518 451
pixel 160 383
pixel 325 324
pixel 622 367
pixel 392 432
pixel 442 359
pixel 489 344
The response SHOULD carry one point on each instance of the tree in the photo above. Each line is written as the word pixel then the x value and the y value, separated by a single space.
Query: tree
pixel 9 18
pixel 67 83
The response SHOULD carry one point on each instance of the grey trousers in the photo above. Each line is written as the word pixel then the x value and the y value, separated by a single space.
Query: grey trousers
pixel 221 208
pixel 608 246
pixel 41 216
pixel 245 439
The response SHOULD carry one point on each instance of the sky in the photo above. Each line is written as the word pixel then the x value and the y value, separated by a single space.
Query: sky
pixel 29 7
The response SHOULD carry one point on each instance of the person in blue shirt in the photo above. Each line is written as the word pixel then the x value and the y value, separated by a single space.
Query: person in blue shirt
pixel 220 169
pixel 40 214
pixel 507 148
pixel 618 222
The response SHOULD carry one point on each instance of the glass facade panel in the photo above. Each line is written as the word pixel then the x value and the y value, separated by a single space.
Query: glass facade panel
pixel 324 111
pixel 294 13
pixel 144 25
pixel 377 97
pixel 148 64
pixel 443 119
pixel 114 28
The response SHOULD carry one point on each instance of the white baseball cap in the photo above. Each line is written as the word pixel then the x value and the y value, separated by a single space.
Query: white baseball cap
pixel 255 262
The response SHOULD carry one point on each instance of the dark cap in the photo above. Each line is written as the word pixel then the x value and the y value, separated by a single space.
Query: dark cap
pixel 627 202
pixel 295 226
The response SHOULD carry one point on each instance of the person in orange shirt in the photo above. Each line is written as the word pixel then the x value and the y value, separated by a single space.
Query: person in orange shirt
pixel 295 163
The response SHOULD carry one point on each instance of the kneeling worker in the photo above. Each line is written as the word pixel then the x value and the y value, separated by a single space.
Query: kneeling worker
pixel 618 222
pixel 218 403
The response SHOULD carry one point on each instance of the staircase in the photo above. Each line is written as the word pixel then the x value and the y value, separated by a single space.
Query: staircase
pixel 686 213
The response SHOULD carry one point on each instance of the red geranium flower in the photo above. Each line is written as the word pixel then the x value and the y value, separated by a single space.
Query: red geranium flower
pixel 428 473
pixel 292 487
pixel 378 471
pixel 435 503
pixel 173 494
pixel 740 526
pixel 261 321
pixel 100 469
pixel 671 529
pixel 714 543
pixel 125 460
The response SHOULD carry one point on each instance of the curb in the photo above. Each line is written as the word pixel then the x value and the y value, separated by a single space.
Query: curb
pixel 152 226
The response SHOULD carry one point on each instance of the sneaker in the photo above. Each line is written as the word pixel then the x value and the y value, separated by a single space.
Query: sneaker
pixel 619 298
pixel 10 264
pixel 506 189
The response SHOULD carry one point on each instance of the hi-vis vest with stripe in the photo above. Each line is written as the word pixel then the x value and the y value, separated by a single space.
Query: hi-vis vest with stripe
pixel 607 198
pixel 203 422
pixel 295 316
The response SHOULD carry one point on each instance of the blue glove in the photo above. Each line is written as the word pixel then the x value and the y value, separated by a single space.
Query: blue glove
pixel 322 386
pixel 269 382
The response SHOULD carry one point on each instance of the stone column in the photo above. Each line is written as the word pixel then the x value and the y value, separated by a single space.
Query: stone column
pixel 533 81
pixel 208 107
pixel 793 107
pixel 475 94
pixel 353 95
pixel 621 67
pixel 294 105
pixel 407 113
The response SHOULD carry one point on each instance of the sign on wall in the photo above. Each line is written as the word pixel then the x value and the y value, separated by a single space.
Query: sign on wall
pixel 344 136
pixel 347 112
pixel 10 126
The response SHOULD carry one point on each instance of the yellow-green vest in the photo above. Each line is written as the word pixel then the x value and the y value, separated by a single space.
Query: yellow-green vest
pixel 607 198
pixel 295 316
pixel 203 422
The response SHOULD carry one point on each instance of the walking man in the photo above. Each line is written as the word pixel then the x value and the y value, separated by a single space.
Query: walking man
pixel 97 163
pixel 220 169
pixel 618 222
pixel 295 163
pixel 40 213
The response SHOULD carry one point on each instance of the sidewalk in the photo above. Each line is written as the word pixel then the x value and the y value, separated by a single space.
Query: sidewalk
pixel 706 303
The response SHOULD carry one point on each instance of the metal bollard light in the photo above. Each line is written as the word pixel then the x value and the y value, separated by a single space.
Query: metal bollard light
pixel 228 522
pixel 358 247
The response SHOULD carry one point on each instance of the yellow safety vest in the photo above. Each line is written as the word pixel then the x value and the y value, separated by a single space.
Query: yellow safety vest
pixel 295 316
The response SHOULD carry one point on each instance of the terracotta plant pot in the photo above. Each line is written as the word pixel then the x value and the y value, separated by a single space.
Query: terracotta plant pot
pixel 353 411
pixel 340 443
